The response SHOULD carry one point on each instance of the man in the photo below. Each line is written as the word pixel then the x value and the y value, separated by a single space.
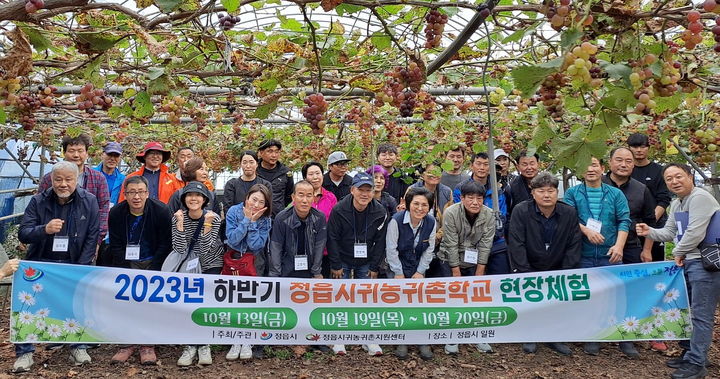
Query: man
pixel 604 218
pixel 528 166
pixel 61 225
pixel 140 238
pixel 336 180
pixel 183 155
pixel 468 231
pixel 698 207
pixel 297 240
pixel 114 178
pixel 455 176
pixel 356 238
pixel 161 183
pixel 75 150
pixel 503 160
pixel 276 173
pixel 544 236
pixel 387 156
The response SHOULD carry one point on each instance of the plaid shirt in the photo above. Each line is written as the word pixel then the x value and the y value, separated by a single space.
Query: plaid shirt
pixel 96 184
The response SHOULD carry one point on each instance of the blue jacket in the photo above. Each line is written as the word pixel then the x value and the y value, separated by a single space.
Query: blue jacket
pixel 243 235
pixel 82 221
pixel 117 185
pixel 614 215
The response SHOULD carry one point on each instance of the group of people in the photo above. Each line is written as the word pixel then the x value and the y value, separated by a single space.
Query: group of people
pixel 379 223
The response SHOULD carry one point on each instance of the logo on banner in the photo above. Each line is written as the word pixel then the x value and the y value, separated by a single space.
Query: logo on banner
pixel 30 274
pixel 265 336
pixel 312 337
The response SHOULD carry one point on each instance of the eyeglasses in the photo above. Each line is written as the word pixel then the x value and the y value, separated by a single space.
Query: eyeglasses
pixel 135 193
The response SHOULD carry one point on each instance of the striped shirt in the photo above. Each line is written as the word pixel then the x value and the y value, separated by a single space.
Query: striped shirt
pixel 208 247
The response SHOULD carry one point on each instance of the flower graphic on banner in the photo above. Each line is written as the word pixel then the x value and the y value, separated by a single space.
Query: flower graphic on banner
pixel 26 317
pixel 37 287
pixel 656 311
pixel 26 298
pixel 673 315
pixel 630 324
pixel 671 295
pixel 71 326
pixel 54 331
pixel 661 287
pixel 669 334
pixel 646 328
pixel 31 338
pixel 44 312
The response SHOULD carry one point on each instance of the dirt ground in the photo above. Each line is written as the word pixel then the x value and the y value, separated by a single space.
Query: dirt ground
pixel 508 361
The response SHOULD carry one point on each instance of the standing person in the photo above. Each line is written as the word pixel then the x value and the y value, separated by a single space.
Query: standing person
pixel 381 179
pixel 140 240
pixel 503 160
pixel 544 236
pixel 195 229
pixel 468 232
pixel 183 155
pixel 356 239
pixel 248 229
pixel 61 224
pixel 279 175
pixel 236 189
pixel 604 219
pixel 442 194
pixel 195 170
pixel 528 166
pixel 336 180
pixel 297 241
pixel 398 182
pixel 455 176
pixel 699 206
pixel 161 183
pixel 75 150
pixel 323 200
pixel 410 246
pixel 111 158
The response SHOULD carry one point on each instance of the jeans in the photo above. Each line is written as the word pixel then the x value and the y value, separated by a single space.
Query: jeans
pixel 498 264
pixel 596 261
pixel 705 294
pixel 360 272
pixel 23 348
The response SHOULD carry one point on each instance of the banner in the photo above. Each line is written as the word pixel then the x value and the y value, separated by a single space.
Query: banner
pixel 71 303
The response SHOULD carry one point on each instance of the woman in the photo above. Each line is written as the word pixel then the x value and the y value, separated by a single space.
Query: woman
pixel 693 209
pixel 9 268
pixel 237 188
pixel 381 176
pixel 409 246
pixel 324 201
pixel 196 229
pixel 248 229
pixel 442 194
pixel 194 170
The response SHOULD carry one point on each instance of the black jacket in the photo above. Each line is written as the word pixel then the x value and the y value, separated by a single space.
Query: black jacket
pixel 519 192
pixel 651 176
pixel 398 183
pixel 341 236
pixel 283 242
pixel 526 246
pixel 236 191
pixel 157 233
pixel 641 203
pixel 83 224
pixel 339 191
pixel 281 185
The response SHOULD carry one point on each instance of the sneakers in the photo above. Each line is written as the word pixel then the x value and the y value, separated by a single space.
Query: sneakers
pixel 187 357
pixel 689 371
pixel 246 352
pixel 426 352
pixel 628 348
pixel 401 352
pixel 123 355
pixel 560 347
pixel 147 356
pixel 451 349
pixel 592 348
pixel 23 363
pixel 204 355
pixel 339 349
pixel 658 346
pixel 373 350
pixel 79 356
pixel 529 348
pixel 484 347
pixel 233 353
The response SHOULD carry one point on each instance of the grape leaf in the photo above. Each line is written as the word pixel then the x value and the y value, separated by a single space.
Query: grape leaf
pixel 167 6
pixel 345 9
pixel 230 5
pixel 528 78
pixel 380 40
pixel 669 103
pixel 143 105
pixel 37 39
pixel 262 112
pixel 570 37
pixel 3 115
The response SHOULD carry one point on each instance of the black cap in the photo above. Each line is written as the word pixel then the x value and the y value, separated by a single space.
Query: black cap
pixel 195 187
pixel 269 143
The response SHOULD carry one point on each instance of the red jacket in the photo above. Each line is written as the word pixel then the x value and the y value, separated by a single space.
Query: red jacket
pixel 169 183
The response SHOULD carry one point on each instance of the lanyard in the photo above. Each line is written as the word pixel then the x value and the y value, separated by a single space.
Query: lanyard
pixel 134 226
pixel 417 232
pixel 366 224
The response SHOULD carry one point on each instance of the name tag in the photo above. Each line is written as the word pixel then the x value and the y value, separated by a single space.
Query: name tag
pixel 471 256
pixel 132 252
pixel 301 262
pixel 679 230
pixel 594 225
pixel 360 250
pixel 192 264
pixel 60 244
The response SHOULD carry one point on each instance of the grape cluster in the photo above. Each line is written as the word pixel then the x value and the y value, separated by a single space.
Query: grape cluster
pixel 26 104
pixel 561 15
pixel 328 5
pixel 174 108
pixel 91 98
pixel 397 134
pixel 402 86
pixel 47 95
pixel 408 101
pixel 464 106
pixel 314 111
pixel 427 105
pixel 496 96
pixel 580 65
pixel 691 35
pixel 364 119
pixel 32 6
pixel 227 22
pixel 433 30
pixel 550 97
pixel 710 5
pixel 716 34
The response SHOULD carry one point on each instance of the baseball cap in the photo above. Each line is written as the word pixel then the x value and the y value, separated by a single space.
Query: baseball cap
pixel 113 147
pixel 336 157
pixel 500 153
pixel 362 178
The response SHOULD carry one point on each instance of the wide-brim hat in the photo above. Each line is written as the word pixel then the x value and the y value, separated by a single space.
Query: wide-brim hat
pixel 153 146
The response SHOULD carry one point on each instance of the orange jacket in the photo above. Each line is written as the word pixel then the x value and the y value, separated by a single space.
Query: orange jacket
pixel 167 186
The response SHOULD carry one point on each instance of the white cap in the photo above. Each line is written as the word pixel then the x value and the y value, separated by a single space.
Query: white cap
pixel 500 153
pixel 337 156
